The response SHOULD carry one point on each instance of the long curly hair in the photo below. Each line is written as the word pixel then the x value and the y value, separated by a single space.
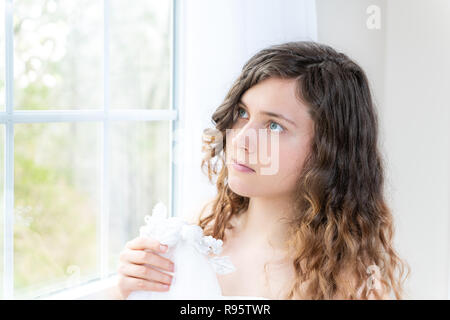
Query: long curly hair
pixel 342 225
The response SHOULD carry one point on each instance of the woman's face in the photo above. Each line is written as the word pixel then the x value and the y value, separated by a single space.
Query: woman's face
pixel 273 147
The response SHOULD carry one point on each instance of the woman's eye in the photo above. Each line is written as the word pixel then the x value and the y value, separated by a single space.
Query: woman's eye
pixel 274 126
pixel 240 113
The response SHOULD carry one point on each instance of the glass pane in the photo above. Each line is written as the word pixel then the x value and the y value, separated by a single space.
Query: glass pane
pixel 58 54
pixel 140 54
pixel 57 173
pixel 2 202
pixel 2 55
pixel 139 178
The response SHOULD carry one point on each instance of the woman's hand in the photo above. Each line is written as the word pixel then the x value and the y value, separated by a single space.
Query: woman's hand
pixel 134 275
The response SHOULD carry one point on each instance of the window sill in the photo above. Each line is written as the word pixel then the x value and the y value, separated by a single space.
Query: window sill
pixel 104 289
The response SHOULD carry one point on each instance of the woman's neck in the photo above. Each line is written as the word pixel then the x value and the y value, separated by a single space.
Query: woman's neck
pixel 266 220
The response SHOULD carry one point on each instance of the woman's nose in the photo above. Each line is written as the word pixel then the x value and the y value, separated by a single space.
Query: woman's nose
pixel 246 138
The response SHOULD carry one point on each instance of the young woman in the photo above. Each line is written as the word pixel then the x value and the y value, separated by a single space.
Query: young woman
pixel 314 226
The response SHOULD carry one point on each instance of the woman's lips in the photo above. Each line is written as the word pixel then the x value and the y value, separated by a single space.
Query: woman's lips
pixel 240 167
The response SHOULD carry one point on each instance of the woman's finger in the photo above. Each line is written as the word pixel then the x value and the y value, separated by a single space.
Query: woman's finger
pixel 144 272
pixel 143 257
pixel 142 243
pixel 130 284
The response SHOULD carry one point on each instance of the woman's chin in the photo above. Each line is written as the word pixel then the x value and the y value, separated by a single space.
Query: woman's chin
pixel 241 187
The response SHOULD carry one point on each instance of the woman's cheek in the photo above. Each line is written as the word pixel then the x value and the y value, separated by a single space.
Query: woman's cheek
pixel 291 157
pixel 272 162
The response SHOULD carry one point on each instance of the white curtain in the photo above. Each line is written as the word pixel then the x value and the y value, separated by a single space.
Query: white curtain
pixel 214 40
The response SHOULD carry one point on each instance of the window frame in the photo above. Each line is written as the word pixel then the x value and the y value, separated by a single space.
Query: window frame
pixel 9 117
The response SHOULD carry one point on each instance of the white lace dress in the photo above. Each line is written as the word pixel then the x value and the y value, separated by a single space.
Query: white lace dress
pixel 195 271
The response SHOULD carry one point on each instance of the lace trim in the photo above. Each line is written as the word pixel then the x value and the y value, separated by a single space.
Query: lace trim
pixel 170 230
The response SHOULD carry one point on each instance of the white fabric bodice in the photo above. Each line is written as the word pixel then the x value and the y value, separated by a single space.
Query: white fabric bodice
pixel 195 256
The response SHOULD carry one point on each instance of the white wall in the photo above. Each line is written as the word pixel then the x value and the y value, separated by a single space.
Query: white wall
pixel 416 118
pixel 408 63
pixel 218 37
pixel 342 25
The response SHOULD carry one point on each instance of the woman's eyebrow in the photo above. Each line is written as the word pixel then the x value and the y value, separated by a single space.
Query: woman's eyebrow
pixel 276 115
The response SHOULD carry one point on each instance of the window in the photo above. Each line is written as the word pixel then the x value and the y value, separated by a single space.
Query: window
pixel 86 120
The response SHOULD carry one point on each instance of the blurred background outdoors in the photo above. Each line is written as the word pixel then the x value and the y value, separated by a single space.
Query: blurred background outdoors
pixel 58 64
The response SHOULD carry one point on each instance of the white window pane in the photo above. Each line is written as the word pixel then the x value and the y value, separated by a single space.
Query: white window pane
pixel 140 54
pixel 2 203
pixel 58 54
pixel 140 177
pixel 57 172
pixel 2 55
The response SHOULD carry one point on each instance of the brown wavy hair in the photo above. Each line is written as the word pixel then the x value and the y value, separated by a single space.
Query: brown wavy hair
pixel 342 225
